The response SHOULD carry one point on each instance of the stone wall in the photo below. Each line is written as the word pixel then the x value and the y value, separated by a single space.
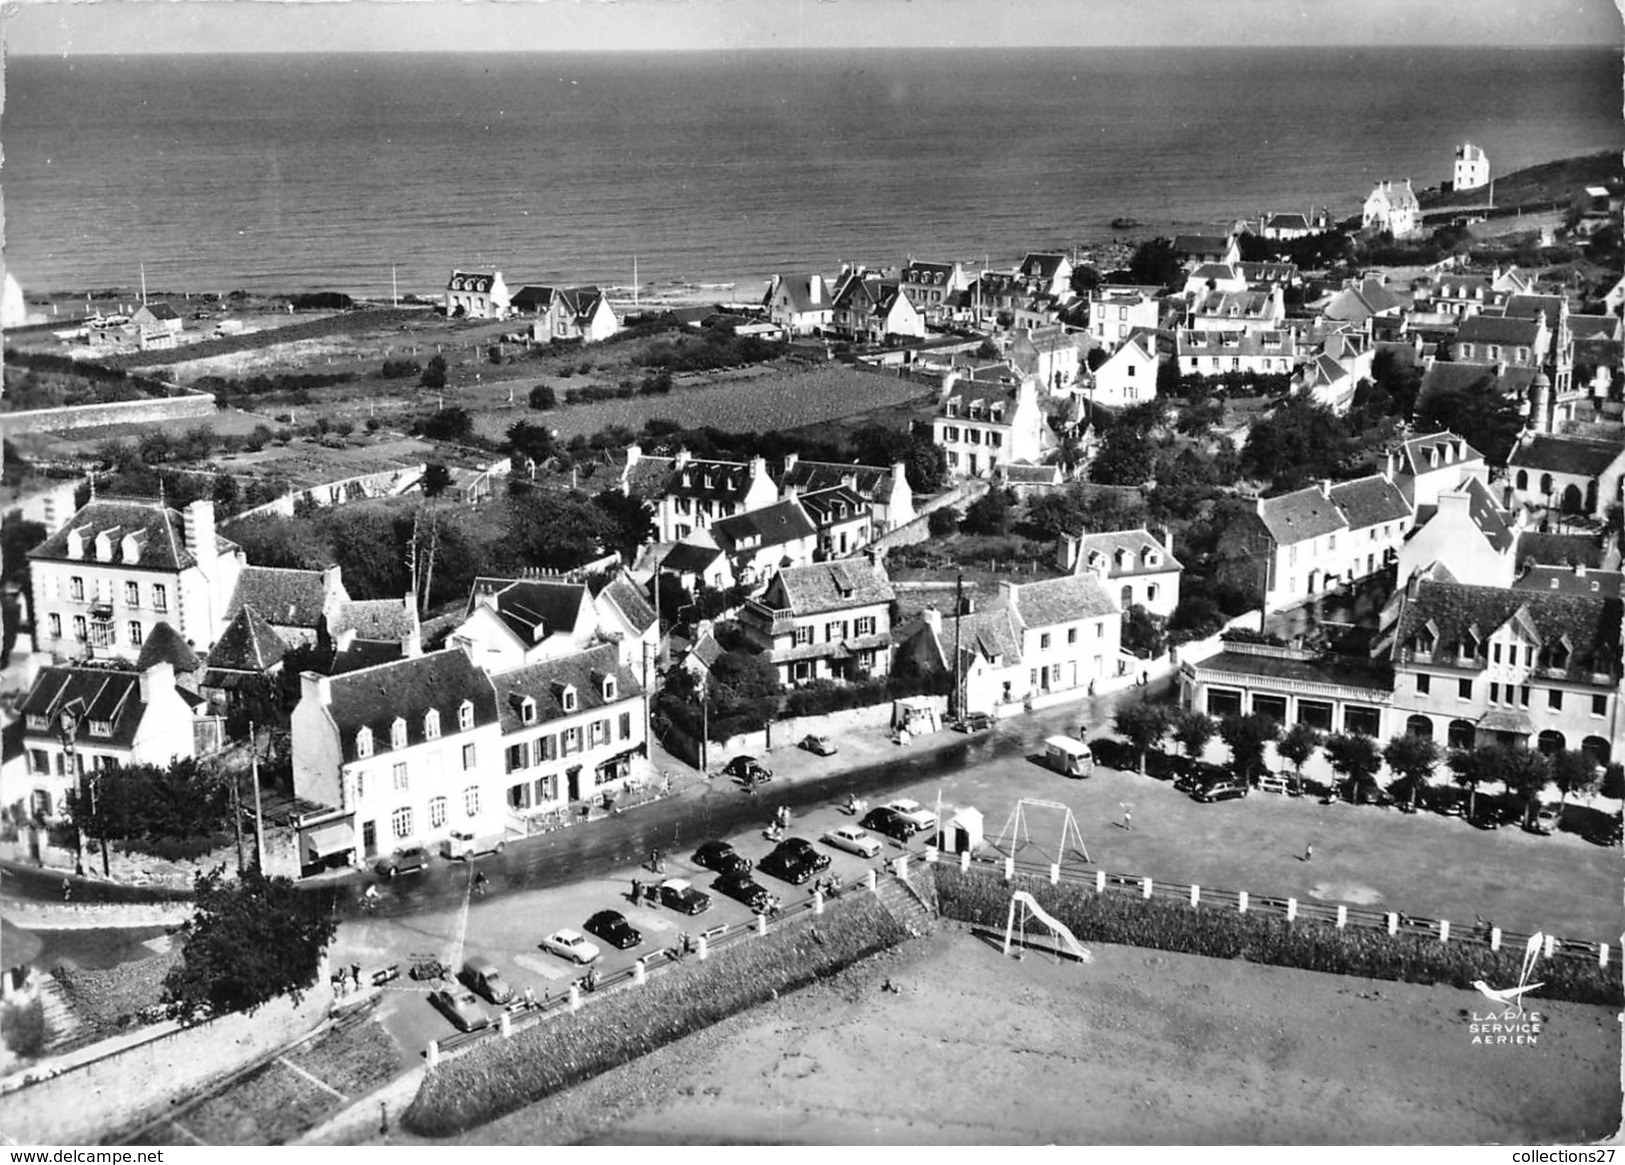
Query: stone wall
pixel 86 1096
pixel 788 732
pixel 910 533
pixel 125 412
pixel 32 914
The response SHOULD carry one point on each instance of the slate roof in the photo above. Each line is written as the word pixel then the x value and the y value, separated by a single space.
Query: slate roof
pixel 1445 375
pixel 647 477
pixel 830 507
pixel 1219 272
pixel 1584 328
pixel 1135 543
pixel 1559 549
pixel 1062 600
pixel 88 694
pixel 928 274
pixel 689 557
pixel 1342 670
pixel 989 394
pixel 771 525
pixel 1270 272
pixel 525 605
pixel 165 645
pixel 1041 264
pixel 1195 245
pixel 1300 516
pixel 991 634
pixel 376 619
pixel 729 481
pixel 476 281
pixel 373 697
pixel 829 586
pixel 1243 305
pixel 1368 299
pixel 248 644
pixel 364 653
pixel 1563 580
pixel 545 682
pixel 797 289
pixel 1526 306
pixel 628 598
pixel 1484 329
pixel 1565 454
pixel 1370 501
pixel 1204 342
pixel 1287 222
pixel 162 534
pixel 580 303
pixel 284 597
pixel 871 481
pixel 1591 623
pixel 1415 453
pixel 162 311
pixel 1484 512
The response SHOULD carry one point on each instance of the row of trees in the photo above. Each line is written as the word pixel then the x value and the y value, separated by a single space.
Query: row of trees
pixel 1357 759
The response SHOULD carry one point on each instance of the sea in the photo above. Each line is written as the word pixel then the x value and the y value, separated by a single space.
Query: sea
pixel 379 173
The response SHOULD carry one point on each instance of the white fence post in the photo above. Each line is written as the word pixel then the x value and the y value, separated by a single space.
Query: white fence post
pixel 1444 930
pixel 932 855
pixel 432 1054
pixel 1100 881
pixel 1055 873
pixel 1495 938
pixel 1291 909
pixel 871 882
pixel 1602 955
pixel 575 998
pixel 1196 895
pixel 1342 917
pixel 703 948
pixel 761 924
pixel 505 1025
pixel 1241 902
pixel 1009 869
pixel 1145 887
pixel 640 972
pixel 902 867
pixel 1551 945
pixel 818 902
pixel 1393 923
pixel 964 860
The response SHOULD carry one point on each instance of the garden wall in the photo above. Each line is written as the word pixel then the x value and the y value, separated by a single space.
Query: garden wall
pixel 34 915
pixel 787 733
pixel 128 412
pixel 80 1104
pixel 910 533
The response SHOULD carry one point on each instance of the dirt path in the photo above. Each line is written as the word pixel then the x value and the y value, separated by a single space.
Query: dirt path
pixel 1138 1049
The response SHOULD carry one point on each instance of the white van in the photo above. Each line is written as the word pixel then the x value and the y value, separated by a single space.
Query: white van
pixel 1070 758
pixel 466 846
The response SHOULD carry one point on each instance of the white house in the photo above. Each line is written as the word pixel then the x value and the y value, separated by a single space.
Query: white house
pixel 688 495
pixel 1392 208
pixel 1115 312
pixel 800 304
pixel 512 622
pixel 1129 376
pixel 1238 311
pixel 1472 167
pixel 1326 536
pixel 826 621
pixel 1267 353
pixel 1135 565
pixel 981 426
pixel 567 313
pixel 1468 534
pixel 885 489
pixel 477 295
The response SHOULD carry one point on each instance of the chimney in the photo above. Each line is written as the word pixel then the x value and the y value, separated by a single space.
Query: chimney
pixel 199 527
pixel 1579 570
pixel 815 288
pixel 76 544
pixel 344 639
pixel 899 474
pixel 1456 502
pixel 1167 539
pixel 634 453
pixel 1007 594
pixel 1066 552
pixel 683 457
pixel 758 467
pixel 315 687
pixel 157 682
pixel 1326 488
pixel 790 460
pixel 1390 465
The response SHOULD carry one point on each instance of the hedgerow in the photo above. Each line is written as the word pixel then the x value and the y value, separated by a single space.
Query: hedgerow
pixel 1165 925
pixel 501 1076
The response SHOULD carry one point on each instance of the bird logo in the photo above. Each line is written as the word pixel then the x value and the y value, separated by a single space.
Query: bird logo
pixel 1512 997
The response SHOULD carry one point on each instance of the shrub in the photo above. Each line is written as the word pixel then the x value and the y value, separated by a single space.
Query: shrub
pixel 943 522
pixel 23 1025
pixel 401 369
pixel 502 1076
pixel 1165 925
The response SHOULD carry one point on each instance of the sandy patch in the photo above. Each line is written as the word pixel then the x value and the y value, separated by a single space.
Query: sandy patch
pixel 1142 1048
pixel 1349 892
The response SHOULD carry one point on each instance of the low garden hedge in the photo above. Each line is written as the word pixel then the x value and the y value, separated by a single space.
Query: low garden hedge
pixel 1165 925
pixel 501 1076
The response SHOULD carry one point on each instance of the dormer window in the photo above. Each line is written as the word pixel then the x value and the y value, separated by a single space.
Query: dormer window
pixel 431 725
pixel 397 733
pixel 1557 655
pixel 567 698
pixel 1120 558
pixel 363 742
pixel 101 728
pixel 1423 643
pixel 1151 557
pixel 465 715
pixel 527 710
pixel 610 688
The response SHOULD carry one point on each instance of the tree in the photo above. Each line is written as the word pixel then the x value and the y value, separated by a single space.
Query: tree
pixel 251 941
pixel 1300 440
pixel 1145 634
pixel 273 540
pixel 1412 759
pixel 533 442
pixel 1525 772
pixel 1143 724
pixel 1469 768
pixel 1155 265
pixel 542 397
pixel 1194 730
pixel 925 463
pixel 1477 411
pixel 1355 757
pixel 1247 736
pixel 1296 747
pixel 1573 773
pixel 1127 457
pixel 434 376
pixel 17 537
pixel 556 530
pixel 942 522
pixel 453 424
pixel 632 521
pixel 436 480
pixel 990 513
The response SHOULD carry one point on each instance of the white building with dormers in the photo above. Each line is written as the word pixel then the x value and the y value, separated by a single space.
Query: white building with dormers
pixel 1134 565
pixel 477 295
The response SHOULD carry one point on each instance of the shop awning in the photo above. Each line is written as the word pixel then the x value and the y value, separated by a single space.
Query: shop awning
pixel 330 839
pixel 1507 720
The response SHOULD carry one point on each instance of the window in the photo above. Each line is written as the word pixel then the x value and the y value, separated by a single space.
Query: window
pixel 55 624
pixel 471 800
pixel 465 715
pixel 431 725
pixel 609 688
pixel 518 756
pixel 1599 705
pixel 1043 641
pixel 1151 592
pixel 398 772
pixel 1495 693
pixel 866 625
pixel 401 822
pixel 1100 630
pixel 1495 652
pixel 76 589
pixel 160 597
pixel 1554 699
pixel 132 594
pixel 437 812
pixel 468 757
pixel 626 726
pixel 548 747
pixel 572 740
pixel 397 733
pixel 1424 685
pixel 1464 689
pixel 1523 696
pixel 135 633
pixel 527 710
pixel 363 742
pixel 1071 634
pixel 597 731
pixel 568 699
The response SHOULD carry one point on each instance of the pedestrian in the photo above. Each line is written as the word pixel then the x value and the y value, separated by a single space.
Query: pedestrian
pixel 530 997
pixel 355 975
pixel 637 891
pixel 1309 852
pixel 1091 687
pixel 67 890
pixel 1128 818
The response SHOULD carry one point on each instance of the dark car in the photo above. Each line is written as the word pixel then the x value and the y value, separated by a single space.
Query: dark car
pixel 462 1009
pixel 891 823
pixel 678 895
pixel 1220 791
pixel 976 722
pixel 789 864
pixel 612 927
pixel 800 845
pixel 747 769
pixel 404 861
pixel 743 888
pixel 721 857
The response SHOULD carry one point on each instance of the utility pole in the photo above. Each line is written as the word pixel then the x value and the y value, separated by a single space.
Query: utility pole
pixel 959 615
pixel 237 815
pixel 259 812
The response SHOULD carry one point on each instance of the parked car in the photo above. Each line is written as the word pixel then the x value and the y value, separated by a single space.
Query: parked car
pixel 482 977
pixel 612 927
pixel 721 857
pixel 853 840
pixel 915 812
pixel 800 845
pixel 404 861
pixel 890 823
pixel 572 945
pixel 683 897
pixel 461 1008
pixel 747 769
pixel 1221 791
pixel 822 745
pixel 976 722
pixel 743 888
pixel 789 865
pixel 466 846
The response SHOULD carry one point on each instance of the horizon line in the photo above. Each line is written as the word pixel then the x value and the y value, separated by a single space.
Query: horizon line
pixel 14 53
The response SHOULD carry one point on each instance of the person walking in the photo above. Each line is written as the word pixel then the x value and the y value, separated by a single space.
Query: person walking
pixel 637 891
pixel 1309 852
pixel 67 889
pixel 355 975
pixel 1128 817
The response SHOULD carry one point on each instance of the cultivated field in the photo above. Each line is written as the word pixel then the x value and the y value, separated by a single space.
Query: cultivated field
pixel 1140 1048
